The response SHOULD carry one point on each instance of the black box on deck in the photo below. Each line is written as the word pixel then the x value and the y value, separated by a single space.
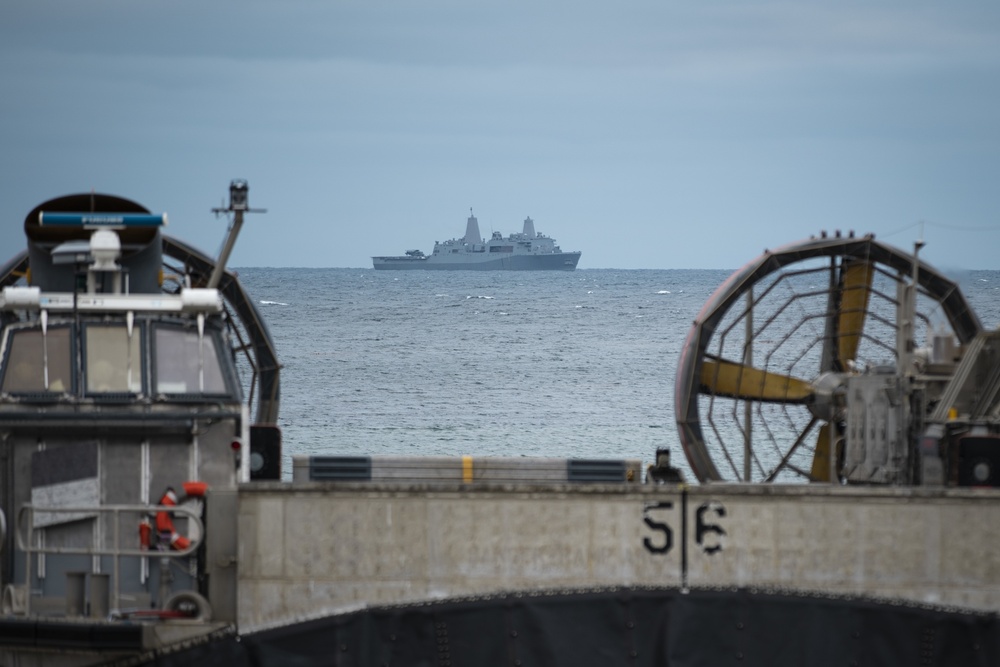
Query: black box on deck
pixel 265 452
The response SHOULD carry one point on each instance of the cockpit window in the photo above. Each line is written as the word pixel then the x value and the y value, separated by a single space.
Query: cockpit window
pixel 114 361
pixel 187 363
pixel 37 362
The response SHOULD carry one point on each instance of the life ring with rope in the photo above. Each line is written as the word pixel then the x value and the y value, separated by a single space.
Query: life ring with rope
pixel 165 530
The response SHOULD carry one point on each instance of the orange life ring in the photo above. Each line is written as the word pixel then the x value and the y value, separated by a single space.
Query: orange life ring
pixel 165 525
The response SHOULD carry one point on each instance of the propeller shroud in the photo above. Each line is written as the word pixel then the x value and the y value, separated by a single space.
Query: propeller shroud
pixel 762 373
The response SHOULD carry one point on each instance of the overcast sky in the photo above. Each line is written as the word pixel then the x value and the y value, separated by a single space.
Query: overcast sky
pixel 649 134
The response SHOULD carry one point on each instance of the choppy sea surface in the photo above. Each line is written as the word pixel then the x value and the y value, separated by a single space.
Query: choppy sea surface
pixel 577 364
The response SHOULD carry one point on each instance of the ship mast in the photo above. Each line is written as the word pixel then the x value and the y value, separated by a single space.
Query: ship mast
pixel 238 204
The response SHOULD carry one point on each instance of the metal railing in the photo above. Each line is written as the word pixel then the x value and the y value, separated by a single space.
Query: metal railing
pixel 24 531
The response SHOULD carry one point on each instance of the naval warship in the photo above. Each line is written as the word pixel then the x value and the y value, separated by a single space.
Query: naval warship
pixel 847 510
pixel 527 251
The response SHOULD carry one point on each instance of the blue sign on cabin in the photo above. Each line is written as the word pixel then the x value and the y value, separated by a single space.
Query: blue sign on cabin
pixel 94 220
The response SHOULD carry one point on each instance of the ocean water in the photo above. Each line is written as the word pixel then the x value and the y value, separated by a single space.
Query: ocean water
pixel 578 364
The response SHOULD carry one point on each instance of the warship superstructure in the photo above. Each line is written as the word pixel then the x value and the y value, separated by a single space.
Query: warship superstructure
pixel 524 251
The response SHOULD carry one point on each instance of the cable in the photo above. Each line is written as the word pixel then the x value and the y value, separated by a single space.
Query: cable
pixel 941 225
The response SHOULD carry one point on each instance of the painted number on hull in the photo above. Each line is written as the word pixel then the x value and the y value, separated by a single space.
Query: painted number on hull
pixel 708 533
pixel 666 539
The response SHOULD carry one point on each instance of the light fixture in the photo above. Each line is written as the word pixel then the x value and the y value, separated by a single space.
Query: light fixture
pixel 238 191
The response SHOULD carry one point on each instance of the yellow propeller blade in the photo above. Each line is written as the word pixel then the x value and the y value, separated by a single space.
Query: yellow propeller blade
pixel 725 378
pixel 821 457
pixel 858 277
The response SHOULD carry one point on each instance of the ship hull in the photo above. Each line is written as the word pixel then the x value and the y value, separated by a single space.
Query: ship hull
pixel 395 561
pixel 565 261
pixel 648 627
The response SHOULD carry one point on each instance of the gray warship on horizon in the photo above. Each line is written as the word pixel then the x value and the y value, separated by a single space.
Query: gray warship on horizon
pixel 526 251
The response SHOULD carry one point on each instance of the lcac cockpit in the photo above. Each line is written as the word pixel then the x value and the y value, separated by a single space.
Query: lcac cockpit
pixel 124 426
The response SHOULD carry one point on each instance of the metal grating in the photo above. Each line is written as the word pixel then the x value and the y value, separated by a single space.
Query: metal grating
pixel 595 470
pixel 340 468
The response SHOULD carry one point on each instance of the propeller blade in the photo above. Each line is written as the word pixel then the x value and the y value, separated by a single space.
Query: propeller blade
pixel 726 378
pixel 857 288
pixel 821 457
pixel 826 446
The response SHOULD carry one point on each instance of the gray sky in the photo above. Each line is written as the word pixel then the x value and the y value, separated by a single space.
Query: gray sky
pixel 648 134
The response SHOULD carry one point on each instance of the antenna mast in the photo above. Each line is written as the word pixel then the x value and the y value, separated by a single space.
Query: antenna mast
pixel 238 204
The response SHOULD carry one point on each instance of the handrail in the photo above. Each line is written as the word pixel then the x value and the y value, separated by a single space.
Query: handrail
pixel 24 532
pixel 24 544
pixel 3 529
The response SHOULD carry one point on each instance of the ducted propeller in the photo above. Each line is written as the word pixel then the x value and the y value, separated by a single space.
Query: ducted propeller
pixel 821 291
